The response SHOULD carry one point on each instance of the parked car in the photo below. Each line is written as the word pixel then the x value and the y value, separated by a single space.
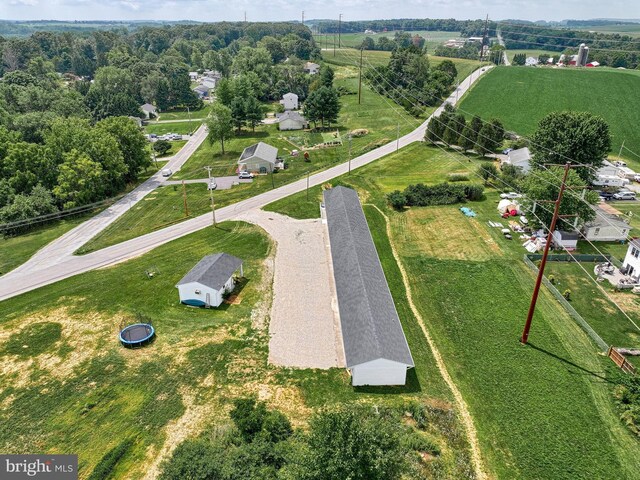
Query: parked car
pixel 624 195
pixel 605 195
pixel 167 172
pixel 510 195
pixel 636 177
pixel 175 136
pixel 212 185
pixel 507 150
pixel 620 163
pixel 244 174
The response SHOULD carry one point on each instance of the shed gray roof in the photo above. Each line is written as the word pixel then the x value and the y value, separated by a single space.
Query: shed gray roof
pixel 147 107
pixel 213 270
pixel 604 219
pixel 371 328
pixel 201 88
pixel 564 235
pixel 261 150
pixel 520 157
pixel 289 115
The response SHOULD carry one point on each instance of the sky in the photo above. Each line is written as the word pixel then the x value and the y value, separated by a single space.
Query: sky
pixel 218 10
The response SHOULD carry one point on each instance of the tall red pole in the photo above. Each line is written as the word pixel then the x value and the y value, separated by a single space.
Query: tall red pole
pixel 543 262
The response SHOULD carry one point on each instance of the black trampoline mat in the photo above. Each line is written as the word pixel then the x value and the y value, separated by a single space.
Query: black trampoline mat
pixel 136 333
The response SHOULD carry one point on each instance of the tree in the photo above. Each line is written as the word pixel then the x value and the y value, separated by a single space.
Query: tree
pixel 468 138
pixel 238 112
pixel 545 186
pixel 23 207
pixel 194 460
pixel 326 76
pixel 253 112
pixel 112 93
pixel 220 124
pixel 224 92
pixel 161 147
pixel 80 180
pixel 249 416
pixel 355 444
pixel 322 105
pixel 449 67
pixel 454 129
pixel 579 137
pixel 490 137
pixel 488 172
pixel 132 144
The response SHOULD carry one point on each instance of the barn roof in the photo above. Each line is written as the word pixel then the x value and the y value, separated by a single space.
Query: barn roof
pixel 371 328
pixel 213 270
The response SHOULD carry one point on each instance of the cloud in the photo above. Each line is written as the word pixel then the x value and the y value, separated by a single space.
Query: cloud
pixel 28 3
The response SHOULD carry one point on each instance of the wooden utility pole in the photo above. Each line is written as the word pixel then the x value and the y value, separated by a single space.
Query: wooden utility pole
pixel 334 44
pixel 543 262
pixel 621 147
pixel 303 18
pixel 213 207
pixel 397 136
pixel 307 185
pixel 349 154
pixel 360 78
pixel 339 29
pixel 184 199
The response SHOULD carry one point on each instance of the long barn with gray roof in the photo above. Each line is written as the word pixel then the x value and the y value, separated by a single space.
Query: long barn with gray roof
pixel 375 347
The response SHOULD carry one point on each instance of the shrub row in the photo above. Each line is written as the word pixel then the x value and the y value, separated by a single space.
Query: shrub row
pixel 420 195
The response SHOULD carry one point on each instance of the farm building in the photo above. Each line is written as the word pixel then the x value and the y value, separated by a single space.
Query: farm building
pixel 519 158
pixel 207 282
pixel 376 349
pixel 149 110
pixel 565 240
pixel 606 228
pixel 289 101
pixel 631 264
pixel 259 157
pixel 291 121
pixel 311 68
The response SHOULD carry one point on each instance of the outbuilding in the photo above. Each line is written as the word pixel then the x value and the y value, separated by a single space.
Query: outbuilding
pixel 260 157
pixel 202 91
pixel 207 282
pixel 375 347
pixel 149 110
pixel 289 101
pixel 565 240
pixel 311 68
pixel 520 159
pixel 291 121
pixel 606 228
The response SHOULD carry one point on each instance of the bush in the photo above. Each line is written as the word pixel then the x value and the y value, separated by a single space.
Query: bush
pixel 161 147
pixel 249 416
pixel 420 195
pixel 105 466
pixel 196 459
pixel 567 294
pixel 458 177
pixel 397 199
pixel 276 427
pixel 474 192
pixel 488 172
pixel 627 395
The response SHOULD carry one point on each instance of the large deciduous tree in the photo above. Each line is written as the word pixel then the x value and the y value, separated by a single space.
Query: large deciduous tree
pixel 580 137
pixel 131 141
pixel 220 124
pixel 80 180
pixel 322 106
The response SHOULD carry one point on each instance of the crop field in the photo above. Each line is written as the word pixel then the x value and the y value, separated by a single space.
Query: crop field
pixel 530 403
pixel 69 386
pixel 631 30
pixel 521 97
pixel 530 53
pixel 354 40
pixel 374 114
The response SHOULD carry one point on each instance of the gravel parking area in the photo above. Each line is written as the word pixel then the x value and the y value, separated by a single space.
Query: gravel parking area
pixel 304 326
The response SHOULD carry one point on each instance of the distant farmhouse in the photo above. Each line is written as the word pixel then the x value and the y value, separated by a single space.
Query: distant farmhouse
pixel 520 159
pixel 149 111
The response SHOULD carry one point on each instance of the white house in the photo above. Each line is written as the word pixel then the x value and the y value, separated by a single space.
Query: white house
pixel 631 264
pixel 289 101
pixel 311 68
pixel 207 282
pixel 149 110
pixel 519 158
pixel 260 157
pixel 565 240
pixel 209 82
pixel 291 121
pixel 606 228
pixel 375 347
pixel 202 91
pixel 193 76
pixel 531 61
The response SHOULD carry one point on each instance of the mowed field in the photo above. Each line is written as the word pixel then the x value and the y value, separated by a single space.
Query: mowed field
pixel 354 40
pixel 544 411
pixel 522 96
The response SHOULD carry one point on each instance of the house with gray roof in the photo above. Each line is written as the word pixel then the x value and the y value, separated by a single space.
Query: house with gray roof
pixel 606 227
pixel 259 157
pixel 520 159
pixel 375 347
pixel 202 91
pixel 291 121
pixel 149 111
pixel 206 283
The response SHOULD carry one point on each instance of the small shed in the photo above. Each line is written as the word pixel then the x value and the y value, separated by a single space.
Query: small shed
pixel 311 68
pixel 565 240
pixel 193 76
pixel 207 282
pixel 375 347
pixel 291 121
pixel 260 157
pixel 149 110
pixel 289 101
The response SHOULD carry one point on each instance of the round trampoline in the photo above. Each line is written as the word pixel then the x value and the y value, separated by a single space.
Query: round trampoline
pixel 137 335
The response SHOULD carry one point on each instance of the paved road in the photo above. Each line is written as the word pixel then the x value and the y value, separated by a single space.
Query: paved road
pixel 501 42
pixel 68 243
pixel 222 183
pixel 17 282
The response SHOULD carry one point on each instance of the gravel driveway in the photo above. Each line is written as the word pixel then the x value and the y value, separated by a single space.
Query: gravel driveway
pixel 304 326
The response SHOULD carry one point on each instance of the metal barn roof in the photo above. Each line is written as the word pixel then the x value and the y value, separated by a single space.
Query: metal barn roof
pixel 213 270
pixel 371 328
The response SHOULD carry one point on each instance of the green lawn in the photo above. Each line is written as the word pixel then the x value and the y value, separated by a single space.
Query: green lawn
pixel 156 211
pixel 176 145
pixel 531 53
pixel 182 128
pixel 17 250
pixel 521 97
pixel 68 386
pixel 183 114
pixel 354 40
pixel 541 411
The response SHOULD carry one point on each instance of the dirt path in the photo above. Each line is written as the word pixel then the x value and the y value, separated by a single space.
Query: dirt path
pixel 467 420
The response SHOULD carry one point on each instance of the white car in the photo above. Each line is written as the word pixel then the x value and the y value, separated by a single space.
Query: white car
pixel 510 195
pixel 624 195
pixel 167 172
pixel 212 185
pixel 244 175
pixel 636 177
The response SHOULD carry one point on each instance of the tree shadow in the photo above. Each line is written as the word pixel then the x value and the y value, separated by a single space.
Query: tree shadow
pixel 411 386
pixel 569 362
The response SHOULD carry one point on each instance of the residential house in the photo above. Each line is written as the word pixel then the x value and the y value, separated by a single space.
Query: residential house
pixel 311 68
pixel 375 347
pixel 519 158
pixel 206 284
pixel 193 76
pixel 606 228
pixel 209 82
pixel 565 240
pixel 631 263
pixel 149 111
pixel 291 121
pixel 202 91
pixel 289 101
pixel 260 157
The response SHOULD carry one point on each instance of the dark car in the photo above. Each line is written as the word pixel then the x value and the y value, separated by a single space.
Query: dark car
pixel 605 195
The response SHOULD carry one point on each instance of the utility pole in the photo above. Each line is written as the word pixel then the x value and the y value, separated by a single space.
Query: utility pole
pixel 360 79
pixel 339 29
pixel 543 262
pixel 349 154
pixel 189 113
pixel 397 136
pixel 484 36
pixel 303 18
pixel 213 208
pixel 621 147
pixel 307 185
pixel 184 199
pixel 245 16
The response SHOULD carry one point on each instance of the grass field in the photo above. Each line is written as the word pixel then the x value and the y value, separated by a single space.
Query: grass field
pixel 69 386
pixel 156 211
pixel 530 53
pixel 631 30
pixel 182 128
pixel 183 114
pixel 354 40
pixel 520 97
pixel 530 404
